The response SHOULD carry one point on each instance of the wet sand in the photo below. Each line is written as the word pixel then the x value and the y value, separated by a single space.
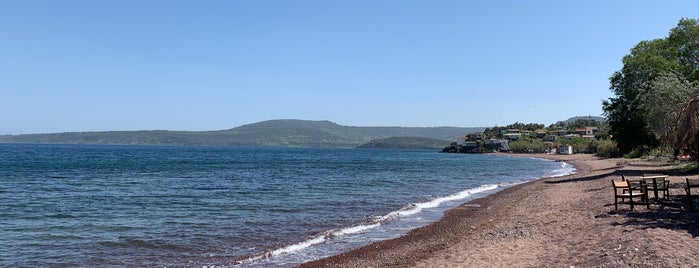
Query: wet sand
pixel 552 222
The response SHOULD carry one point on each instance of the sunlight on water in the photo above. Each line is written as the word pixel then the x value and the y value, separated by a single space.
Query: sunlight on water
pixel 70 205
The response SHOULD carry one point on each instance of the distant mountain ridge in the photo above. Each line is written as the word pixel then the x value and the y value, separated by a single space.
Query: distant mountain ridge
pixel 406 143
pixel 576 118
pixel 276 133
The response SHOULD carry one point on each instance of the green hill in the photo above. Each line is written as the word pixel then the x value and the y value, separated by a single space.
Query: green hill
pixel 576 118
pixel 284 133
pixel 406 143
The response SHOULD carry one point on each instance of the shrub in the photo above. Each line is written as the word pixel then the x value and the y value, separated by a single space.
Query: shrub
pixel 528 146
pixel 608 149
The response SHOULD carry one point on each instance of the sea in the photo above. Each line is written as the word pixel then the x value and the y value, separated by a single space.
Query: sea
pixel 178 206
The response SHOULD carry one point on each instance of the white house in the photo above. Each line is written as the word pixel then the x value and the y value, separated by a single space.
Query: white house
pixel 503 145
pixel 565 149
pixel 512 136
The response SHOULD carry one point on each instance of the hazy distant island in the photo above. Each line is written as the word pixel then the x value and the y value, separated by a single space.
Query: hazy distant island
pixel 272 133
pixel 418 143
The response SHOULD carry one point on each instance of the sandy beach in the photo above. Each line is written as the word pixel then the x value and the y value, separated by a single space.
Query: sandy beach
pixel 552 222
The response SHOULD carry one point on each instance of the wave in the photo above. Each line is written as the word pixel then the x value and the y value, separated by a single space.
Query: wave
pixel 332 234
pixel 564 170
pixel 411 209
pixel 417 207
pixel 408 210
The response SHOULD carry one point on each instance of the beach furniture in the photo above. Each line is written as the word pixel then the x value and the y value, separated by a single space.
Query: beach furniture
pixel 691 184
pixel 625 189
pixel 634 184
pixel 657 184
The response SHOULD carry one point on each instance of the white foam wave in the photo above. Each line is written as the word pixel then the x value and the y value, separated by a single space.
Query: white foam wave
pixel 404 212
pixel 298 246
pixel 418 207
pixel 457 196
pixel 312 241
pixel 565 169
pixel 355 229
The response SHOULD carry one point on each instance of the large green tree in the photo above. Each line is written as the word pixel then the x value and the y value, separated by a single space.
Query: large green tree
pixel 664 99
pixel 648 60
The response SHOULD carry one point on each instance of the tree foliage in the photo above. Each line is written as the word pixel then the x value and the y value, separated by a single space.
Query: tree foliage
pixel 579 144
pixel 688 128
pixel 528 146
pixel 582 123
pixel 607 148
pixel 494 132
pixel 649 64
pixel 664 99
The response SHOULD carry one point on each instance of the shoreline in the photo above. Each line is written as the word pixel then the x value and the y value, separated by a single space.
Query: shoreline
pixel 555 221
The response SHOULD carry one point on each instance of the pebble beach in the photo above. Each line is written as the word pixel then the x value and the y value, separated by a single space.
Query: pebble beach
pixel 567 221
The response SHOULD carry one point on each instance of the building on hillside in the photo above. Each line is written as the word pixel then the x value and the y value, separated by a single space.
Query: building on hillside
pixel 550 138
pixel 462 140
pixel 509 130
pixel 500 145
pixel 590 132
pixel 565 149
pixel 472 137
pixel 587 131
pixel 572 135
pixel 475 136
pixel 512 136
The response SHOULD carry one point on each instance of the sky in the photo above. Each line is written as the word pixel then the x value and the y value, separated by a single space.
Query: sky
pixel 209 65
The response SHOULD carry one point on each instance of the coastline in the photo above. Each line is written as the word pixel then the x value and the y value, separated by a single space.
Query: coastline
pixel 555 221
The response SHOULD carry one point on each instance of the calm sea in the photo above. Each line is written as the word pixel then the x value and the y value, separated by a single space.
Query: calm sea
pixel 88 205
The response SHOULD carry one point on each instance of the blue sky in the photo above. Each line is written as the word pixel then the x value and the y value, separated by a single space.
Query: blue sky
pixel 210 65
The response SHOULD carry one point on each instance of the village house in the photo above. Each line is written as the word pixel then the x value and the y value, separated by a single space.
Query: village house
pixel 503 145
pixel 472 137
pixel 565 149
pixel 588 132
pixel 571 135
pixel 541 133
pixel 475 136
pixel 511 134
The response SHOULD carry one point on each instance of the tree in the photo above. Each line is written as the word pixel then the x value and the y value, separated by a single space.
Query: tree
pixel 688 128
pixel 664 99
pixel 648 60
pixel 582 123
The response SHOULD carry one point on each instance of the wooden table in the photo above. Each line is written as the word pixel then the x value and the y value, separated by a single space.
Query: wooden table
pixel 655 183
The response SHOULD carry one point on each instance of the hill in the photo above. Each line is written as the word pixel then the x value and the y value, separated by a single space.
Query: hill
pixel 283 133
pixel 576 118
pixel 406 143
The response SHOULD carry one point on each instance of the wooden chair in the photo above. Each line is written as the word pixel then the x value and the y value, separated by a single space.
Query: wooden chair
pixel 623 190
pixel 691 184
pixel 663 186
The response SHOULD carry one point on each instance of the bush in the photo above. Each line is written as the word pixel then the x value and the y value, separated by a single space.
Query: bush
pixel 580 144
pixel 528 146
pixel 608 149
pixel 638 152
